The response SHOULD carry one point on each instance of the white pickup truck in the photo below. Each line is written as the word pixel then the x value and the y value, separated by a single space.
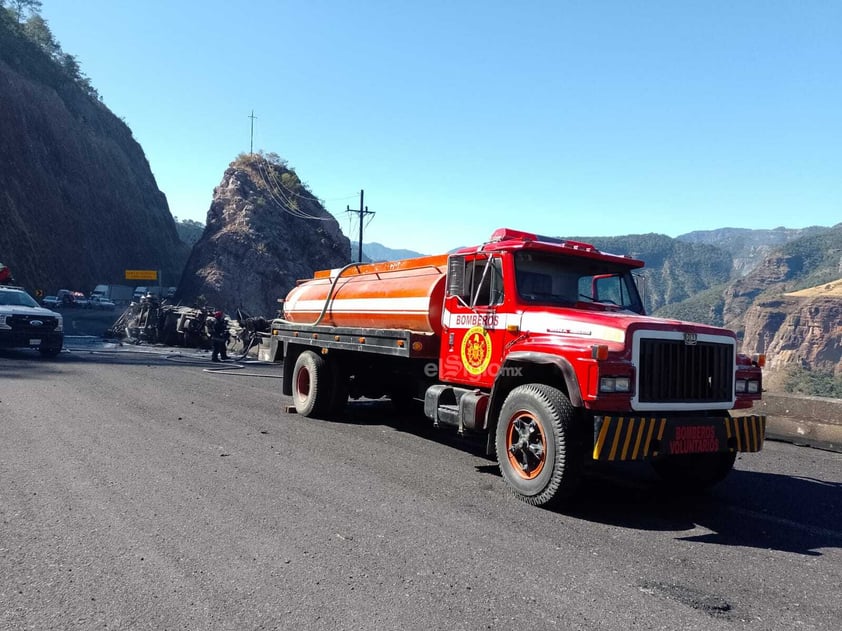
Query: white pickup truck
pixel 26 324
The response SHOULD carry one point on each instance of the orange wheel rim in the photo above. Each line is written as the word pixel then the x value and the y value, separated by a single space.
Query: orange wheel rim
pixel 526 445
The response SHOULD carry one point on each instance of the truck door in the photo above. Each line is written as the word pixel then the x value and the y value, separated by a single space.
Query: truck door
pixel 473 330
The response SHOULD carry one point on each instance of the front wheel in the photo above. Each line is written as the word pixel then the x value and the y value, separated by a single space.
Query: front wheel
pixel 311 384
pixel 49 351
pixel 535 445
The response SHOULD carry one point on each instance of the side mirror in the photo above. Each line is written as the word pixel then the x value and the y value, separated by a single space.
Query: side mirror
pixel 456 276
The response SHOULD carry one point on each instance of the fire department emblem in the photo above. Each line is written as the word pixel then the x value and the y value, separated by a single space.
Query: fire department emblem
pixel 476 350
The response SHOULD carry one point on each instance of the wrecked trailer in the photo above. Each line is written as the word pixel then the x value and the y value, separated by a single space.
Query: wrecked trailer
pixel 157 322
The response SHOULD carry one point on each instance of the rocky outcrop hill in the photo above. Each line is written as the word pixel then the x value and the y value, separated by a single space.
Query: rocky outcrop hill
pixel 264 231
pixel 78 202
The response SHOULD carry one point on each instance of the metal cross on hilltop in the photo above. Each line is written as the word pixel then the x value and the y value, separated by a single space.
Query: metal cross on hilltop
pixel 251 138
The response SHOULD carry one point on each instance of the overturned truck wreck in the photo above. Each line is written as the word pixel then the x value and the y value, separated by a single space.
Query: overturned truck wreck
pixel 158 322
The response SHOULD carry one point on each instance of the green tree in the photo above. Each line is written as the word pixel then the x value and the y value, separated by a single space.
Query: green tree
pixel 19 7
pixel 818 383
pixel 36 29
pixel 189 231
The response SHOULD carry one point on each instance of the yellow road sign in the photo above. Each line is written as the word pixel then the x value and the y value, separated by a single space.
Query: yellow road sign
pixel 141 274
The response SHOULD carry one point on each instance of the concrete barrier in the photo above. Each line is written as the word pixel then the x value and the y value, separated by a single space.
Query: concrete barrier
pixel 802 420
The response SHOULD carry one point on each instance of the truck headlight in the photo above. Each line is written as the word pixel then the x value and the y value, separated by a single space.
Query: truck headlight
pixel 614 384
pixel 3 324
pixel 747 386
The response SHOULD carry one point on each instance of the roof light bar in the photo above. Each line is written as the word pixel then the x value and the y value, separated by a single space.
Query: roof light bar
pixel 509 234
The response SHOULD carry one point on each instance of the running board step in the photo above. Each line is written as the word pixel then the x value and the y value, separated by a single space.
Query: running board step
pixel 459 407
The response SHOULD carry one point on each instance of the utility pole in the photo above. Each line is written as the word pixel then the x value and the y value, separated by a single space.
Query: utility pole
pixel 363 211
pixel 251 138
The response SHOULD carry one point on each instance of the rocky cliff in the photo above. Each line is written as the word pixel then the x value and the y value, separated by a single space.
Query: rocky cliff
pixel 797 327
pixel 78 202
pixel 264 231
pixel 807 262
pixel 806 332
pixel 796 333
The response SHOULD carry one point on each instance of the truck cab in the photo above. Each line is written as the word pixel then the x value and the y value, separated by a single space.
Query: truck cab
pixel 516 290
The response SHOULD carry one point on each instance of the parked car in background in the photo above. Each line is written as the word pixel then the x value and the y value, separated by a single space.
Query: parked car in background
pixel 80 300
pixel 50 302
pixel 118 294
pixel 72 299
pixel 96 302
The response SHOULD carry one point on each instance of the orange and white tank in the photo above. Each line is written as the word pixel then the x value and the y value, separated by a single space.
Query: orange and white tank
pixel 405 294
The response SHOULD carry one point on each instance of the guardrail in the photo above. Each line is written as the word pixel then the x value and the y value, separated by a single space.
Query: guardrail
pixel 803 420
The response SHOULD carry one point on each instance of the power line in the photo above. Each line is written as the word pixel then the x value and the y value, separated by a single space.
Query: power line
pixel 280 200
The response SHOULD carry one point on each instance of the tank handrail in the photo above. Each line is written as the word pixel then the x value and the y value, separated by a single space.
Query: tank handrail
pixel 410 269
pixel 335 281
pixel 377 274
pixel 327 299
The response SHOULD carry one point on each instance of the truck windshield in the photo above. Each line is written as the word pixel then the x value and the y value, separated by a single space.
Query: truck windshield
pixel 14 298
pixel 545 278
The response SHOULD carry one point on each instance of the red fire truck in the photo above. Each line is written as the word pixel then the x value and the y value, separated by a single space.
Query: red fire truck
pixel 540 343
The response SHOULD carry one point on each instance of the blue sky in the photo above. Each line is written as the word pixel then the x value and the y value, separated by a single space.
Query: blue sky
pixel 560 117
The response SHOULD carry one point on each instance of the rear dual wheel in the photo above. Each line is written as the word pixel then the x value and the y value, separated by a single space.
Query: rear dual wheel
pixel 319 388
pixel 535 445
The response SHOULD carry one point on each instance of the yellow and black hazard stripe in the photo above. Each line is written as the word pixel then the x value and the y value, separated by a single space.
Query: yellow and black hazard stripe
pixel 628 438
pixel 748 432
pixel 619 438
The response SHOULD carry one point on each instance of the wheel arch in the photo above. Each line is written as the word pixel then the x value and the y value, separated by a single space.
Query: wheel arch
pixel 290 355
pixel 522 367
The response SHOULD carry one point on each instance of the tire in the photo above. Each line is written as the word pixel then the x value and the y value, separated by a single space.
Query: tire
pixel 694 472
pixel 48 351
pixel 535 445
pixel 311 385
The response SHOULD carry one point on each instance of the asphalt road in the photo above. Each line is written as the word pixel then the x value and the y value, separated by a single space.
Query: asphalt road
pixel 138 491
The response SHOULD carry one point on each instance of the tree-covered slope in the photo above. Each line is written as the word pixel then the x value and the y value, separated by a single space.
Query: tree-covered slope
pixel 78 200
pixel 674 270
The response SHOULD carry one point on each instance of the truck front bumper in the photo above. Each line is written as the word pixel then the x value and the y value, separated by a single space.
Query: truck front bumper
pixel 619 438
pixel 31 339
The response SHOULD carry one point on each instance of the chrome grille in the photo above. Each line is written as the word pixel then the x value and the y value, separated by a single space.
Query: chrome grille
pixel 23 323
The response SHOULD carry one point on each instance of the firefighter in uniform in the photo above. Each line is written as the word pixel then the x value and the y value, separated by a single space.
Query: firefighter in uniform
pixel 218 330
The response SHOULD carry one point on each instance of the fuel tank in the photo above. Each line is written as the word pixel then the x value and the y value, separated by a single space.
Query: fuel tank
pixel 405 294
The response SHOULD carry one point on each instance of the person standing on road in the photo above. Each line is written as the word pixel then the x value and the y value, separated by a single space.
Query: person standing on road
pixel 218 329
